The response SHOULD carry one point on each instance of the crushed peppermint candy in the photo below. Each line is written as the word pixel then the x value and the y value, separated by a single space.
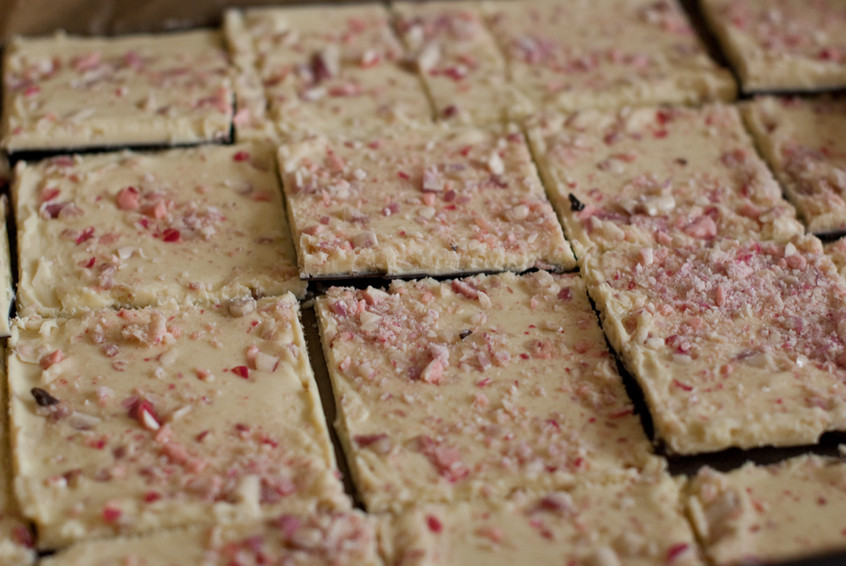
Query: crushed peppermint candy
pixel 480 386
pixel 403 207
pixel 719 322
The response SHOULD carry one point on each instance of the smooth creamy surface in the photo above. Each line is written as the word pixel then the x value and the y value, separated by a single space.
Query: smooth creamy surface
pixel 199 225
pixel 802 139
pixel 332 71
pixel 340 538
pixel 16 540
pixel 458 59
pixel 741 345
pixel 628 520
pixel 668 176
pixel 782 44
pixel 474 388
pixel 420 202
pixel 158 418
pixel 7 293
pixel 763 514
pixel 568 55
pixel 64 92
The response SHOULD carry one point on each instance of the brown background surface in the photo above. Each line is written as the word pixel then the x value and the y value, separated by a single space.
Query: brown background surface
pixel 110 17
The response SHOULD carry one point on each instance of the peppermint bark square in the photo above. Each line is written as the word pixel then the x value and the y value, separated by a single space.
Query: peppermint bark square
pixel 458 60
pixel 332 71
pixel 419 202
pixel 64 92
pixel 782 45
pixel 658 176
pixel 130 421
pixel 630 519
pixel 340 538
pixel 564 55
pixel 17 542
pixel 200 225
pixel 739 345
pixel 766 514
pixel 474 387
pixel 802 139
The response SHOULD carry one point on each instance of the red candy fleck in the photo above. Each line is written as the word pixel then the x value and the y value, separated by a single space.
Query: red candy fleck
pixel 171 235
pixel 62 161
pixel 829 54
pixel 662 117
pixel 86 235
pixel 262 196
pixel 111 514
pixel 450 111
pixel 434 524
pixel 128 199
pixel 241 371
pixel 365 440
pixel 97 443
pixel 53 357
pixel 49 194
pixel 241 156
pixel 446 460
pixel 90 263
pixel 203 374
pixel 158 210
pixel 152 496
pixel 676 550
pixel 23 536
pixel 682 385
pixel 622 413
pixel 53 209
pixel 465 289
pixel 142 410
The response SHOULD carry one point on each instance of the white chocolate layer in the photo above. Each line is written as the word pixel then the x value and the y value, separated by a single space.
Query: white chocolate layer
pixel 782 44
pixel 16 540
pixel 632 520
pixel 767 514
pixel 740 345
pixel 64 92
pixel 802 139
pixel 332 71
pixel 340 538
pixel 251 122
pixel 151 419
pixel 573 54
pixel 458 60
pixel 420 202
pixel 656 175
pixel 200 225
pixel 474 388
